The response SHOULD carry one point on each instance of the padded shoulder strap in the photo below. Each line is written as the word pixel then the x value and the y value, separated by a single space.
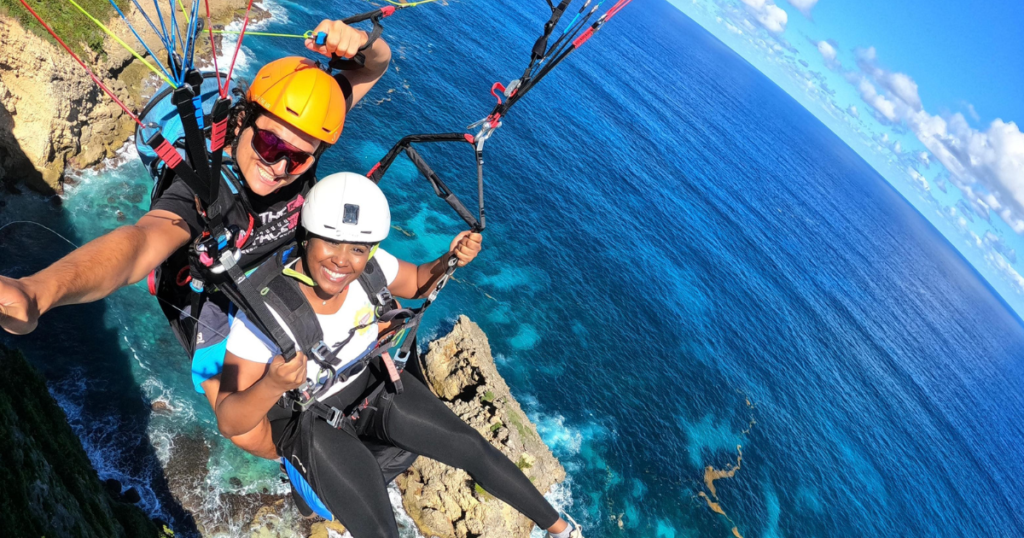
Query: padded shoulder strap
pixel 375 284
pixel 266 287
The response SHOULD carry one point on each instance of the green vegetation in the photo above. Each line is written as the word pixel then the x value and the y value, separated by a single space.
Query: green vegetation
pixel 488 397
pixel 517 421
pixel 496 426
pixel 523 464
pixel 49 485
pixel 70 24
pixel 482 493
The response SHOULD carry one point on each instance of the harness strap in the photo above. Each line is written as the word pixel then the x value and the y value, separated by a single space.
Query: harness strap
pixel 183 98
pixel 255 303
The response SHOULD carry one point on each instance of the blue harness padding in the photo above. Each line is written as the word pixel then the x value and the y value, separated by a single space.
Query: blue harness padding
pixel 162 113
pixel 306 491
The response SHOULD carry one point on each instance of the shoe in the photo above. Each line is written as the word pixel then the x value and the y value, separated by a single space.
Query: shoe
pixel 577 530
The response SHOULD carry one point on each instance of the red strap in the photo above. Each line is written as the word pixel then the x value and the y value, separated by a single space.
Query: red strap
pixel 220 129
pixel 183 278
pixel 241 240
pixel 168 154
pixel 387 11
pixel 469 138
pixel 151 282
pixel 497 86
pixel 373 170
pixel 391 367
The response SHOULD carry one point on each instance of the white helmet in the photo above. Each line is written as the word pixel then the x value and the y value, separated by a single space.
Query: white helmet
pixel 347 207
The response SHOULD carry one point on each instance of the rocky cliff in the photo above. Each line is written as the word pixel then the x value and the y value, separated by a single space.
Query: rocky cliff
pixel 444 501
pixel 49 486
pixel 53 117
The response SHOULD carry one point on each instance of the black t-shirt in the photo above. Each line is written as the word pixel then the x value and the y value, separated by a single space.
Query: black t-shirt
pixel 275 217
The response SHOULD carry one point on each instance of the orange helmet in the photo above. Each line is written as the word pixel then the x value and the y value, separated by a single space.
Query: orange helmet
pixel 303 95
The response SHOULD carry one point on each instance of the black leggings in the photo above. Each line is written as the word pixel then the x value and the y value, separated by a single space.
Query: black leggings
pixel 348 480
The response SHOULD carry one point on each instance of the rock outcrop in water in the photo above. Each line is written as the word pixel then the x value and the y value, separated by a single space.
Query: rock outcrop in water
pixel 52 116
pixel 49 486
pixel 444 501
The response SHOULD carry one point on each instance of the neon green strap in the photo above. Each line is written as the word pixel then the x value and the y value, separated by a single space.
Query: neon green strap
pixel 288 271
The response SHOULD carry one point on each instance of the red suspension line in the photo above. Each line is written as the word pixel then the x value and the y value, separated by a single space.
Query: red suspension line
pixel 81 63
pixel 238 46
pixel 209 26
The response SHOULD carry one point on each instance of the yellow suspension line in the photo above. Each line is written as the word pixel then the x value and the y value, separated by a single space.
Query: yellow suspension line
pixel 184 12
pixel 409 4
pixel 123 44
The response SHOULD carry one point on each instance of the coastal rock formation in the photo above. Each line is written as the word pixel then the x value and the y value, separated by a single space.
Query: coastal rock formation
pixel 445 502
pixel 52 116
pixel 49 486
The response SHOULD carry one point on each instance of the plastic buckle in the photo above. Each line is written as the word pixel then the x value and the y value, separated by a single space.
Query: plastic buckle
pixel 320 351
pixel 400 359
pixel 336 416
pixel 384 297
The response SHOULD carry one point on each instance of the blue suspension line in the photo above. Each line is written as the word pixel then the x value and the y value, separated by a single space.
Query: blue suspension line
pixel 144 45
pixel 150 21
pixel 168 43
pixel 193 30
pixel 176 32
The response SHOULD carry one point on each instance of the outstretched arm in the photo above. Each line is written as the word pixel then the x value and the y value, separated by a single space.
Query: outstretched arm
pixel 345 41
pixel 92 272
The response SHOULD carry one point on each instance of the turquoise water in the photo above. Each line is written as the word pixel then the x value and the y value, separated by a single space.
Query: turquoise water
pixel 680 261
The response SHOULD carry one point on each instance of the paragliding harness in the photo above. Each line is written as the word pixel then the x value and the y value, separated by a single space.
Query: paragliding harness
pixel 171 137
pixel 214 258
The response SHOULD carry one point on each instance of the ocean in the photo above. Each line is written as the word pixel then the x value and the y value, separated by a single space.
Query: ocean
pixel 723 321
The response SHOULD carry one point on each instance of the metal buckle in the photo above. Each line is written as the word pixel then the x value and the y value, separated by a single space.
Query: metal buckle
pixel 440 286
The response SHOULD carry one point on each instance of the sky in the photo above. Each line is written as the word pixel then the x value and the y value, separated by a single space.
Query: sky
pixel 930 93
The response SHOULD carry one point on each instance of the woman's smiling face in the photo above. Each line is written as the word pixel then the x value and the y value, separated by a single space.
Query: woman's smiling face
pixel 335 265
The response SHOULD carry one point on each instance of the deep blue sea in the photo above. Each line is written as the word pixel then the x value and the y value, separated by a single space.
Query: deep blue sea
pixel 681 264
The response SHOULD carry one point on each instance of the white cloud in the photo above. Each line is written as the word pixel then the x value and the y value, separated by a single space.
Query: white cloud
pixel 828 52
pixel 999 263
pixel 853 111
pixel 986 165
pixel 803 6
pixel 972 111
pixel 769 15
pixel 885 108
pixel 899 84
pixel 897 148
pixel 919 180
pixel 923 157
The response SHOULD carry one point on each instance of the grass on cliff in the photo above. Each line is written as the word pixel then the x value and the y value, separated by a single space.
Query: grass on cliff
pixel 70 24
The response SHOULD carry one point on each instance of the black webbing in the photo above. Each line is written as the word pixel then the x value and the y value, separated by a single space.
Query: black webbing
pixel 195 141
